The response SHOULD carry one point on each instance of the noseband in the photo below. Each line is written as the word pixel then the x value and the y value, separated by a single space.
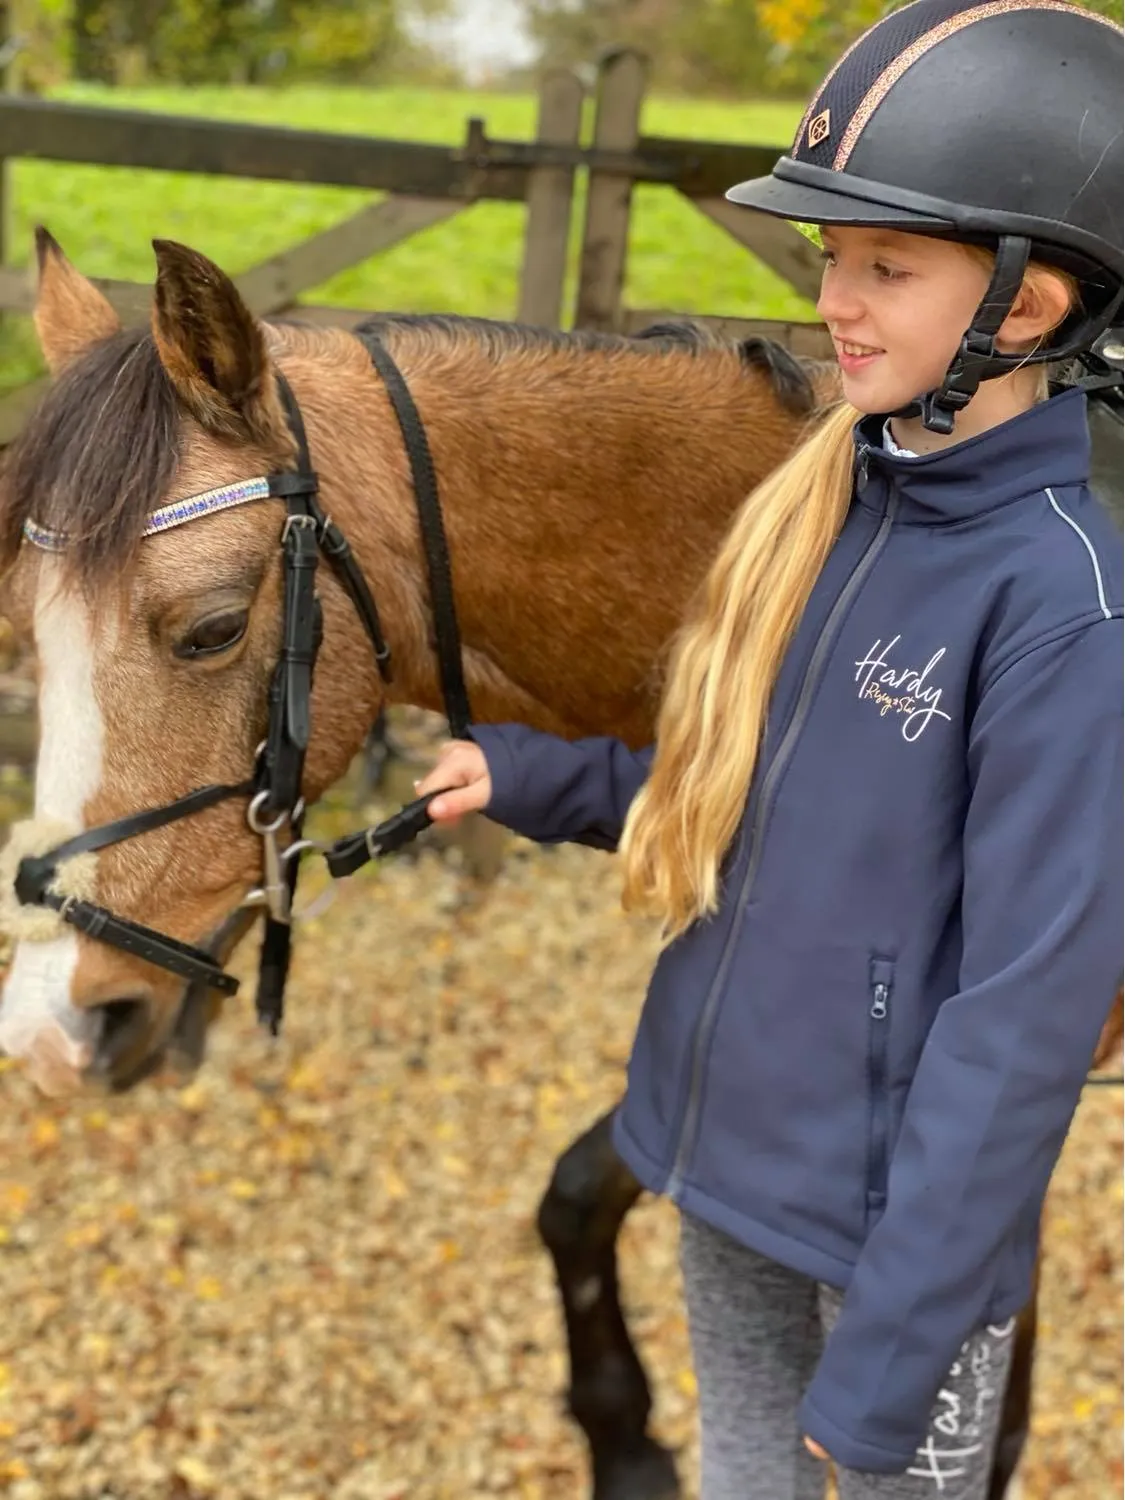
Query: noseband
pixel 273 789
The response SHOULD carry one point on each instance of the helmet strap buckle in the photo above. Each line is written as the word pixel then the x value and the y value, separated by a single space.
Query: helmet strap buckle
pixel 977 356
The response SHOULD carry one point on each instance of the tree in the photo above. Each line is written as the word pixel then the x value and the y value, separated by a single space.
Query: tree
pixel 197 41
pixel 809 34
pixel 743 46
pixel 692 45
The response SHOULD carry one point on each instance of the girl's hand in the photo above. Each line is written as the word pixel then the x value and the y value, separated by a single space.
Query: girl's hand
pixel 816 1450
pixel 460 765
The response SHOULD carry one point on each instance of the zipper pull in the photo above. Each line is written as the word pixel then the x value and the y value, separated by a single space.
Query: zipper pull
pixel 861 471
pixel 879 997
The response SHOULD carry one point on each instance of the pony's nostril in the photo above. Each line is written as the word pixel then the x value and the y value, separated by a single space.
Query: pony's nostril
pixel 124 1028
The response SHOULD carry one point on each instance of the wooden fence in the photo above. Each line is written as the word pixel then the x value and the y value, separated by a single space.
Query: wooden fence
pixel 426 184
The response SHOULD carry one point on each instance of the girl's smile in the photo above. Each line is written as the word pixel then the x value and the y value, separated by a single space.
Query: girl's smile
pixel 853 357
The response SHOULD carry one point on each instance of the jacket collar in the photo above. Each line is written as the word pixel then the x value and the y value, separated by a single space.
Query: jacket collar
pixel 1047 445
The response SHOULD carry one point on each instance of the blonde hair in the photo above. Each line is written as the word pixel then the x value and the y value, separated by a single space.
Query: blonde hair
pixel 723 666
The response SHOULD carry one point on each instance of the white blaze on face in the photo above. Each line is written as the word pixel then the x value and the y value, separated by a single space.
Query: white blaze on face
pixel 38 1019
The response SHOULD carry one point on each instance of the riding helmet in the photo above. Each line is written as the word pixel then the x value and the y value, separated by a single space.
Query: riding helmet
pixel 997 124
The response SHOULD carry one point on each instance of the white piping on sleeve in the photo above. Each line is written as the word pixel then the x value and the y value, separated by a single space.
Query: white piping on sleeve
pixel 1057 508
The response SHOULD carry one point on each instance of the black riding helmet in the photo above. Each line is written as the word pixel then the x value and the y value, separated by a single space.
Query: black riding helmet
pixel 997 124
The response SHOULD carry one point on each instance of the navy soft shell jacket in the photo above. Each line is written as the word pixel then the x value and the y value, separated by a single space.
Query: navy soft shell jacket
pixel 864 1066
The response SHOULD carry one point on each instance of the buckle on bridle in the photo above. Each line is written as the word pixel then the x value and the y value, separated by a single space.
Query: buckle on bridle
pixel 297 518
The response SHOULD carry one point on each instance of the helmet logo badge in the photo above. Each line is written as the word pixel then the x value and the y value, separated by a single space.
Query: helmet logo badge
pixel 818 129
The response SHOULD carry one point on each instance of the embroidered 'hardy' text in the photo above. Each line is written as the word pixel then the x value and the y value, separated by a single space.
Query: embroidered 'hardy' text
pixel 906 691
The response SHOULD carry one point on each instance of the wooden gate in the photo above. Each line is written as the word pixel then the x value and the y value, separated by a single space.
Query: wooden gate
pixel 426 184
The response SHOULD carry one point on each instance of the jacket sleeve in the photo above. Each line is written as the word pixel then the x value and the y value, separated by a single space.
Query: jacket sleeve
pixel 560 791
pixel 1003 1066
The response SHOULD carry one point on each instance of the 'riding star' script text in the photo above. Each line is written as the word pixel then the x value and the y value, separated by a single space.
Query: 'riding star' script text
pixel 900 690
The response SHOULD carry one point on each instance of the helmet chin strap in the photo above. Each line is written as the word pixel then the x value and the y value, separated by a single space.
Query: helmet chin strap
pixel 978 357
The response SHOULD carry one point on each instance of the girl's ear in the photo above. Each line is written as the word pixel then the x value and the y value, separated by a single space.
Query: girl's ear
pixel 1042 304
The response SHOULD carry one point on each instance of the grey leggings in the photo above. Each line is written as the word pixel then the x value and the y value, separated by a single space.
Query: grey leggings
pixel 756 1335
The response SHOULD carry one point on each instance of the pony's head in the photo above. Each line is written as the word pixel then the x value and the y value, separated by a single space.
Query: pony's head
pixel 154 652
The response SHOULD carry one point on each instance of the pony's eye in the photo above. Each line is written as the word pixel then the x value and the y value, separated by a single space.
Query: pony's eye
pixel 212 634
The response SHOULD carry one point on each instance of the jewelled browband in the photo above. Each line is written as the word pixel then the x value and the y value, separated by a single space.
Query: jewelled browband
pixel 178 513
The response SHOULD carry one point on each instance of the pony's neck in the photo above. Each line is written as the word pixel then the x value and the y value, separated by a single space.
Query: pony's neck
pixel 583 493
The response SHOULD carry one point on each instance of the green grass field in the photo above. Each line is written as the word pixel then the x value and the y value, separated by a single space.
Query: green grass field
pixel 105 217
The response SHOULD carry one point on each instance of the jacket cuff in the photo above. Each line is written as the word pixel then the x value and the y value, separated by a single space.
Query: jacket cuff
pixel 502 771
pixel 851 1452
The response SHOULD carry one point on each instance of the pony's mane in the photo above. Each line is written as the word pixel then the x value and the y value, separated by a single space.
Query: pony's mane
pixel 101 449
pixel 791 380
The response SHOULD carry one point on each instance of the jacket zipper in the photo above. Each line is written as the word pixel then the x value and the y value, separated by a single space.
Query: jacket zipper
pixel 689 1127
pixel 879 1010
pixel 864 463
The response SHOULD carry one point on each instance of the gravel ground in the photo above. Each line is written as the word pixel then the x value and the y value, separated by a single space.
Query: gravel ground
pixel 312 1273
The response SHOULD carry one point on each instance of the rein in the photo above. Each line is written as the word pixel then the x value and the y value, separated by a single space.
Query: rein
pixel 274 787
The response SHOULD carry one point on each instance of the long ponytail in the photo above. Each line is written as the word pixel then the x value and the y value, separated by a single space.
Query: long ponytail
pixel 722 671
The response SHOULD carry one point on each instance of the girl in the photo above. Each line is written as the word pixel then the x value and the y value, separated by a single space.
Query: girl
pixel 881 822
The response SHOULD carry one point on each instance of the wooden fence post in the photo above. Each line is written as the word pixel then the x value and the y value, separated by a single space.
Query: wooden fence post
pixel 621 86
pixel 8 43
pixel 550 193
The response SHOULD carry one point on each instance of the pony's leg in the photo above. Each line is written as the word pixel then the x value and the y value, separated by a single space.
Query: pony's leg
pixel 1016 1416
pixel 591 1191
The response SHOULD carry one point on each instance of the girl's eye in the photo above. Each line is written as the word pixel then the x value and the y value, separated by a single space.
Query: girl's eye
pixel 828 257
pixel 888 273
pixel 212 634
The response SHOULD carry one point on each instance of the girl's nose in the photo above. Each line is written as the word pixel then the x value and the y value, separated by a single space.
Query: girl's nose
pixel 838 302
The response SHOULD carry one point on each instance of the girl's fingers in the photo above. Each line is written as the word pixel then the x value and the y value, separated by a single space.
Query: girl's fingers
pixel 815 1449
pixel 461 776
pixel 455 767
pixel 455 804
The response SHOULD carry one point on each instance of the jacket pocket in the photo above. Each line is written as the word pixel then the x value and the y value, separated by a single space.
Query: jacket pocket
pixel 881 978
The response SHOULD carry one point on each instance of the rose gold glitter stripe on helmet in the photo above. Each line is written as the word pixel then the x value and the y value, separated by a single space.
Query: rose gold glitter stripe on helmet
pixel 906 59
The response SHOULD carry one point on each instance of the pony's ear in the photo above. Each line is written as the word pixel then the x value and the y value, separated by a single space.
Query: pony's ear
pixel 213 349
pixel 70 313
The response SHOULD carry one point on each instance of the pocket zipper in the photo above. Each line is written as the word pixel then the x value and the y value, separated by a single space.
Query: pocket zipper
pixel 881 984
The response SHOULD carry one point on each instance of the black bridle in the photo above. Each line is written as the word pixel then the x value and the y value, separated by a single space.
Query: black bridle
pixel 274 788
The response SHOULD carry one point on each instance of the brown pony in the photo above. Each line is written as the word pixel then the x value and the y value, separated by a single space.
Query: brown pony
pixel 586 481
